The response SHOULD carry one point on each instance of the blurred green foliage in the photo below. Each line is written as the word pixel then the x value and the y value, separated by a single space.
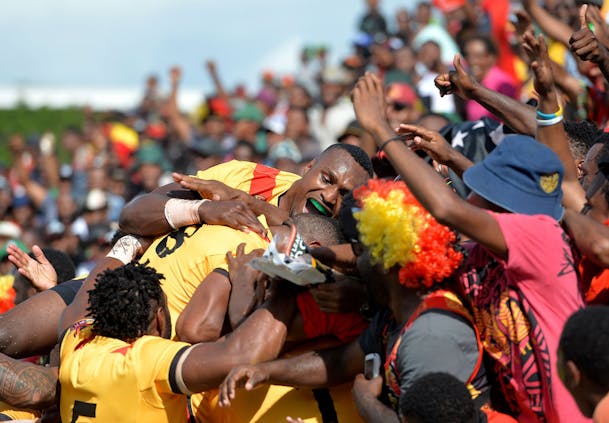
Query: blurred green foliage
pixel 34 122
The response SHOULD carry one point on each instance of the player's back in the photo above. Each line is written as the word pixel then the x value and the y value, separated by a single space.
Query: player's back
pixel 108 380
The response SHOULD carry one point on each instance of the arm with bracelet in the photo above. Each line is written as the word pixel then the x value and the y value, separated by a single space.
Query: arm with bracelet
pixel 549 117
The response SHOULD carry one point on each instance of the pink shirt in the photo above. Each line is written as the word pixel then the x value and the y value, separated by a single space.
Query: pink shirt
pixel 496 80
pixel 522 305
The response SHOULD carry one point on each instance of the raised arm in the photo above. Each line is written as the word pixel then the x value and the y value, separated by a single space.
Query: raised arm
pixel 553 27
pixel 551 132
pixel 177 121
pixel 423 181
pixel 586 46
pixel 212 70
pixel 516 115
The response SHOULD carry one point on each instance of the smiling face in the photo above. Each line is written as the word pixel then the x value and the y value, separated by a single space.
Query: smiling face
pixel 325 182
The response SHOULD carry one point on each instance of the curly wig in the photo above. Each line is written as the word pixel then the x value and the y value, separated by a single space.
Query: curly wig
pixel 398 231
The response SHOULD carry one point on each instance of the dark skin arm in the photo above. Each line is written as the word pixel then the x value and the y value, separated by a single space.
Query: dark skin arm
pixel 203 317
pixel 437 198
pixel 365 394
pixel 555 28
pixel 27 385
pixel 19 338
pixel 553 136
pixel 312 369
pixel 145 215
pixel 218 190
pixel 177 121
pixel 259 338
pixel 591 237
pixel 516 115
pixel 442 152
pixel 244 280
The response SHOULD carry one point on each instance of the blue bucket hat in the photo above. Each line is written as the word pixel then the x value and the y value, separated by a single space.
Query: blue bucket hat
pixel 521 176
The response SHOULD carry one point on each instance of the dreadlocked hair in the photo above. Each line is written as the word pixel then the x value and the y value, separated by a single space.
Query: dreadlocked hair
pixel 397 230
pixel 120 302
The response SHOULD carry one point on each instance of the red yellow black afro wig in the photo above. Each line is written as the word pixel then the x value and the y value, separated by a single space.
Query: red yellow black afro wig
pixel 397 230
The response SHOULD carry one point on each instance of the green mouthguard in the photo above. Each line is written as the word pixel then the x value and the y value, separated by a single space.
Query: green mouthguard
pixel 318 206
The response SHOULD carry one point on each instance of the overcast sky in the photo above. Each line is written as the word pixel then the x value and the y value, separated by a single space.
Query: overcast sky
pixel 116 43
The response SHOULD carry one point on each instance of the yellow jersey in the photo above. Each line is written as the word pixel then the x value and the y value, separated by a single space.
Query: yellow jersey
pixel 187 255
pixel 18 413
pixel 108 380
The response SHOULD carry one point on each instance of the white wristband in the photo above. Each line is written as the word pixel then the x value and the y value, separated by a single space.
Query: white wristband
pixel 179 212
pixel 125 249
pixel 549 122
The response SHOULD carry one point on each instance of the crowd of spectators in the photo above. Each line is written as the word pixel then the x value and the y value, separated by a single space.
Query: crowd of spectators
pixel 457 78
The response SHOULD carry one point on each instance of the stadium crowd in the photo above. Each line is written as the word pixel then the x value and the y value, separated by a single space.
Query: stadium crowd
pixel 449 181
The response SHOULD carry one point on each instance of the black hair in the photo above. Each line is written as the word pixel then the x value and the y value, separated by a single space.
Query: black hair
pixel 61 262
pixel 356 153
pixel 438 397
pixel 121 301
pixel 585 342
pixel 489 44
pixel 582 132
pixel 315 227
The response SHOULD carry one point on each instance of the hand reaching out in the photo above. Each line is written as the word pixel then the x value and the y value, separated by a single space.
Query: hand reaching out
pixel 523 24
pixel 368 97
pixel 38 270
pixel 211 66
pixel 434 144
pixel 537 51
pixel 247 377
pixel 175 73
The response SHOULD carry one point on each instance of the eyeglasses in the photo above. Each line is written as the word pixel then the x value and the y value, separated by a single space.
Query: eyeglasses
pixel 398 107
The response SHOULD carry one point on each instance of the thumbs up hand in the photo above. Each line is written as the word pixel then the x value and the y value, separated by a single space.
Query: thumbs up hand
pixel 458 82
pixel 583 43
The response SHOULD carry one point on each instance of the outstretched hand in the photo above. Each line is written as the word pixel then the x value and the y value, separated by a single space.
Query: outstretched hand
pixel 175 73
pixel 583 43
pixel 540 63
pixel 38 270
pixel 434 144
pixel 368 98
pixel 247 377
pixel 456 82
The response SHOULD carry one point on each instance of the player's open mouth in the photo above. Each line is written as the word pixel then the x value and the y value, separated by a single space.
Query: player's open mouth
pixel 315 206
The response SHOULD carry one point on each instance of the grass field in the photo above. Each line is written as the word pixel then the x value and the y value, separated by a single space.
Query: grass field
pixel 32 122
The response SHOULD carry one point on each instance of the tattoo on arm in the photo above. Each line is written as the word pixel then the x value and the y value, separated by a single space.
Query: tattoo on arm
pixel 26 385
